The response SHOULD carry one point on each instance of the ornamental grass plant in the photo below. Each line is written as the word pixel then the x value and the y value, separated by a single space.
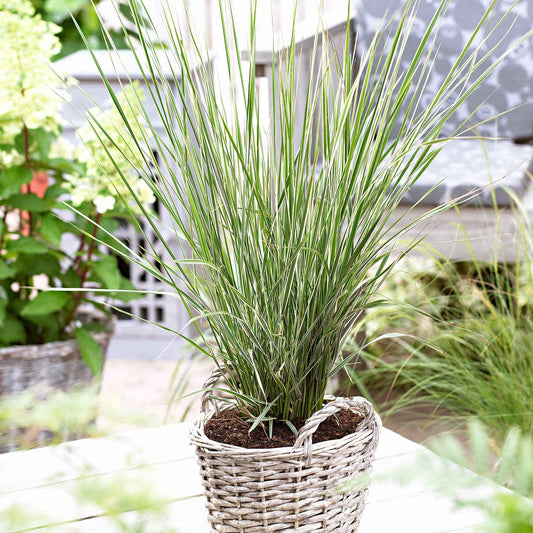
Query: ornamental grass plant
pixel 283 244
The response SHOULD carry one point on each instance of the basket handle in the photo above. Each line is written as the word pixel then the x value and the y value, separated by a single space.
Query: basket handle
pixel 304 437
pixel 207 387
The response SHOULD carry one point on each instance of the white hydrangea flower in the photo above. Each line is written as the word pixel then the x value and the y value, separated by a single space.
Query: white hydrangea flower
pixel 61 149
pixel 22 7
pixel 31 93
pixel 111 160
pixel 104 203
pixel 9 159
pixel 81 192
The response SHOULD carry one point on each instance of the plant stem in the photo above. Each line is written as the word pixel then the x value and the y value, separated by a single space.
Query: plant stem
pixel 4 228
pixel 79 295
pixel 77 259
pixel 27 160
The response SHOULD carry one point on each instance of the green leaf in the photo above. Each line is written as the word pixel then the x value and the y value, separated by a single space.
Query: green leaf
pixel 110 224
pixel 26 245
pixel 48 327
pixel 47 264
pixel 12 332
pixel 3 304
pixel 39 140
pixel 90 351
pixel 6 271
pixel 107 272
pixel 43 140
pixel 12 179
pixel 66 166
pixel 70 279
pixel 127 12
pixel 54 191
pixel 45 303
pixel 60 10
pixel 52 228
pixel 27 202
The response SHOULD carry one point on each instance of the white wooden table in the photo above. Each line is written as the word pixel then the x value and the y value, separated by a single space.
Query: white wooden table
pixel 42 484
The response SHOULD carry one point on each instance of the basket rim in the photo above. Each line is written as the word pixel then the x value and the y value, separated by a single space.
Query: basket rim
pixel 199 438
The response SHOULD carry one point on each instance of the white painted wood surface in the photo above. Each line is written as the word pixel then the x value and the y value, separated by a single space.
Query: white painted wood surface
pixel 412 489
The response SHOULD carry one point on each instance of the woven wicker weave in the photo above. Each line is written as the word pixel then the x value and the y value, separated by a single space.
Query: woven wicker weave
pixel 47 367
pixel 289 489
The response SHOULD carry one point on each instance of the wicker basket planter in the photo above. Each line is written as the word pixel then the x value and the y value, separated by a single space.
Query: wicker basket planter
pixel 289 489
pixel 51 366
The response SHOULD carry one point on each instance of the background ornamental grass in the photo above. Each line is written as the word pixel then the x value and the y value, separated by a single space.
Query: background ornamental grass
pixel 466 344
pixel 284 243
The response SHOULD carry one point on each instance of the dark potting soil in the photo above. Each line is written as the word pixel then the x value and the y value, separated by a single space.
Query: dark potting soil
pixel 231 428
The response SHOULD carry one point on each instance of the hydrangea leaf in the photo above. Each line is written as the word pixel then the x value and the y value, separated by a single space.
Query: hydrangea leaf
pixel 47 264
pixel 27 202
pixel 45 303
pixel 66 166
pixel 106 269
pixel 6 271
pixel 12 179
pixel 127 285
pixel 26 245
pixel 90 351
pixel 52 228
pixel 70 278
pixel 12 332
pixel 39 139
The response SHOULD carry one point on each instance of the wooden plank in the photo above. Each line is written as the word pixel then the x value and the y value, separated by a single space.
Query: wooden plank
pixel 36 468
pixel 86 497
pixel 187 516
pixel 414 491
pixel 31 469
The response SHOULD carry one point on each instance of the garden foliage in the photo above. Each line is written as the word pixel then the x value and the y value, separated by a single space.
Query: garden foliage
pixel 41 176
pixel 465 347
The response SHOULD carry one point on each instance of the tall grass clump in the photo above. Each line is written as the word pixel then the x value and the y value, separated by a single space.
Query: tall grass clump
pixel 482 367
pixel 470 333
pixel 282 244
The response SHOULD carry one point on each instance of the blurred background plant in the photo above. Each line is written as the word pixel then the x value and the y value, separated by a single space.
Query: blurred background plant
pixel 131 501
pixel 466 343
pixel 509 513
pixel 503 505
pixel 40 177
pixel 71 16
pixel 58 205
pixel 30 422
pixel 508 463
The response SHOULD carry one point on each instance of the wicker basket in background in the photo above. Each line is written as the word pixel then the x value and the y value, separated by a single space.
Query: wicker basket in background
pixel 292 488
pixel 51 366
